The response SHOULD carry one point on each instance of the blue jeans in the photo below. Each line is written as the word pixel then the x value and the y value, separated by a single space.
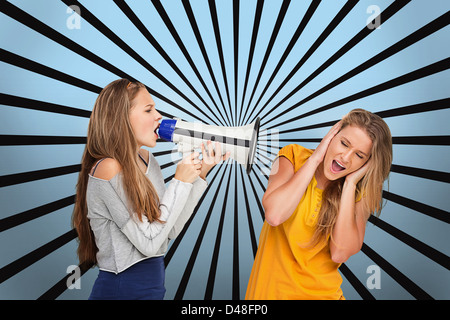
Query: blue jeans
pixel 142 281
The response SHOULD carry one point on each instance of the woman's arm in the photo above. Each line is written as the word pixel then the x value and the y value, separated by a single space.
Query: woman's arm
pixel 211 157
pixel 349 229
pixel 198 187
pixel 285 188
pixel 145 236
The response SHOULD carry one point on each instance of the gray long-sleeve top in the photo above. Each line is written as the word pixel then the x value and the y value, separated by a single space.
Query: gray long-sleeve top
pixel 121 238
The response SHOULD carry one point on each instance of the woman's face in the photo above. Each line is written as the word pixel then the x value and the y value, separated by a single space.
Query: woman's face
pixel 348 151
pixel 144 119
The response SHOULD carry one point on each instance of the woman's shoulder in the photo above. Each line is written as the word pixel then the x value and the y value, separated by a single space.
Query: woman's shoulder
pixel 107 169
pixel 295 153
pixel 296 148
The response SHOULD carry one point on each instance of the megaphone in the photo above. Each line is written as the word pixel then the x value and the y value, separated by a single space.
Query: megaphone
pixel 239 141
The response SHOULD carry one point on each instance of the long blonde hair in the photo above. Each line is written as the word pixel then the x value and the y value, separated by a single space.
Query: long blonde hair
pixel 369 188
pixel 110 135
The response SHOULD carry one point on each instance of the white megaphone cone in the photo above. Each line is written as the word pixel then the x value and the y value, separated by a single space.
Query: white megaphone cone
pixel 239 141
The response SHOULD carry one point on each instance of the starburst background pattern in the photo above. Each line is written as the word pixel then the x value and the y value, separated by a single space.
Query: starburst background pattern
pixel 298 65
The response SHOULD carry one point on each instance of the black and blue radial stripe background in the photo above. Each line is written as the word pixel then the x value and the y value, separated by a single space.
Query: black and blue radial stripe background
pixel 298 65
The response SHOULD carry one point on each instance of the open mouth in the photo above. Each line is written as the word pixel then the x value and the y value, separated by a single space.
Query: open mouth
pixel 156 130
pixel 336 166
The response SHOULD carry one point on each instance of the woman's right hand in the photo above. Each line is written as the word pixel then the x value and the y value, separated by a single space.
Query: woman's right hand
pixel 319 154
pixel 189 168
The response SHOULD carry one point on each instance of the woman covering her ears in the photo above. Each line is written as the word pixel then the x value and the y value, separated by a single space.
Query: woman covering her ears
pixel 317 203
pixel 124 215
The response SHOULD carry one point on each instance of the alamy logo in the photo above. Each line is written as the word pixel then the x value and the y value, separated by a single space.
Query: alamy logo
pixel 374 20
pixel 374 280
pixel 74 20
pixel 73 281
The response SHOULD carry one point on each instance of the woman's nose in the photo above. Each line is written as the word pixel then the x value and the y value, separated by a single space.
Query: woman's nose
pixel 346 156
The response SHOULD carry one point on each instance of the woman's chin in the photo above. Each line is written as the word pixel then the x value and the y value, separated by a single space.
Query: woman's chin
pixel 332 176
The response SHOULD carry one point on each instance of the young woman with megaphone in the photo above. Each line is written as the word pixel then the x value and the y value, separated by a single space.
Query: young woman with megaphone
pixel 124 215
pixel 317 203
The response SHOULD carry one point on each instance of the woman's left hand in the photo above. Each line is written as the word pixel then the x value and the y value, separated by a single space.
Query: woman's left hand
pixel 211 158
pixel 357 175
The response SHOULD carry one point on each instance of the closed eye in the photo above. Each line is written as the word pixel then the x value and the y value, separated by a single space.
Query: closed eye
pixel 150 107
pixel 346 145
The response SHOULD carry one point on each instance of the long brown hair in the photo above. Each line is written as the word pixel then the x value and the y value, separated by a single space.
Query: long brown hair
pixel 369 188
pixel 110 135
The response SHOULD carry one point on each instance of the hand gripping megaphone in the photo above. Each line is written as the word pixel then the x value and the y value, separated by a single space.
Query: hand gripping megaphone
pixel 239 141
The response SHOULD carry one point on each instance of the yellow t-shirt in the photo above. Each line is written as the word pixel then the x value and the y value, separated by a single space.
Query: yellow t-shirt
pixel 285 266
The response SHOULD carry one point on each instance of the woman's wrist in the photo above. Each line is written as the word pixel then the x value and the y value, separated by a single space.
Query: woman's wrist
pixel 349 183
pixel 313 161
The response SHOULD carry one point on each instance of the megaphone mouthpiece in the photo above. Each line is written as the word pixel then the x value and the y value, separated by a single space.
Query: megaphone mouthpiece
pixel 166 129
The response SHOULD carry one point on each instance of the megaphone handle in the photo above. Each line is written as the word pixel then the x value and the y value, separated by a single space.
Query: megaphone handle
pixel 182 148
pixel 185 150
